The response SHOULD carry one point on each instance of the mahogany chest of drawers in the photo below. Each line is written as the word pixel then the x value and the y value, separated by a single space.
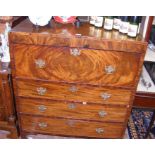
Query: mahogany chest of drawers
pixel 74 81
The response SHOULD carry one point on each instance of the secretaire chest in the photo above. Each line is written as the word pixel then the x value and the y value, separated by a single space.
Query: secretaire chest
pixel 70 82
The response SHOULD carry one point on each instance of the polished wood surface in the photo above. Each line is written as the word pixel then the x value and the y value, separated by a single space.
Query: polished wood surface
pixel 85 111
pixel 70 36
pixel 59 64
pixel 144 100
pixel 7 97
pixel 83 93
pixel 71 127
pixel 7 113
pixel 69 30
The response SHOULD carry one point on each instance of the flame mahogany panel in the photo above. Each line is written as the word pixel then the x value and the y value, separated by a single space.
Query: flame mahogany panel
pixel 88 67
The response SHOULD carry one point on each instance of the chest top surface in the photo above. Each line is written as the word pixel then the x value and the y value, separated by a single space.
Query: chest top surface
pixel 70 30
pixel 69 35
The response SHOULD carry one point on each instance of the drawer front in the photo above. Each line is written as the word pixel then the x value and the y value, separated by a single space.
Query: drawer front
pixel 71 127
pixel 79 93
pixel 72 110
pixel 96 67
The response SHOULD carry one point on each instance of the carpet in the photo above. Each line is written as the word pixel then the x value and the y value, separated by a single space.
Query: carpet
pixel 138 123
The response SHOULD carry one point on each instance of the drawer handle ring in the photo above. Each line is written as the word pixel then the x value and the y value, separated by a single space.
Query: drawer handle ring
pixel 109 69
pixel 105 96
pixel 99 130
pixel 41 91
pixel 71 106
pixel 42 125
pixel 75 52
pixel 42 108
pixel 73 89
pixel 102 113
pixel 40 63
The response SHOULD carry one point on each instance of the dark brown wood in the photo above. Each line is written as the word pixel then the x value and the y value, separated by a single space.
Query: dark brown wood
pixel 7 115
pixel 2 113
pixel 149 28
pixel 144 100
pixel 47 71
pixel 17 20
pixel 7 110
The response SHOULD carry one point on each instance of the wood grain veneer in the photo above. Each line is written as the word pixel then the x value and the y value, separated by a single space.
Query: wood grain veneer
pixel 78 110
pixel 59 64
pixel 70 127
pixel 88 67
pixel 63 91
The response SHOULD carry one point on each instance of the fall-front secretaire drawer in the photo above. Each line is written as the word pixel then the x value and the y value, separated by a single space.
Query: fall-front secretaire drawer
pixel 70 127
pixel 90 66
pixel 79 93
pixel 74 110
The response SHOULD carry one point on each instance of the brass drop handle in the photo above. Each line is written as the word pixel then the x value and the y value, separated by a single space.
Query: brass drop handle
pixel 42 108
pixel 102 113
pixel 73 89
pixel 71 106
pixel 40 63
pixel 75 51
pixel 109 69
pixel 105 96
pixel 42 125
pixel 99 130
pixel 41 91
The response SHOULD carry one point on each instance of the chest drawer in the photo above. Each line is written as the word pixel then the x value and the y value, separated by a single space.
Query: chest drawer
pixel 96 67
pixel 72 110
pixel 71 127
pixel 79 93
